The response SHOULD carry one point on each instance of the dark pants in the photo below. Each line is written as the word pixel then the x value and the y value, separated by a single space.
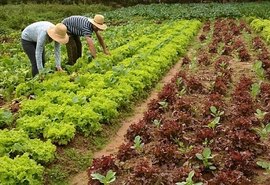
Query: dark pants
pixel 74 49
pixel 30 49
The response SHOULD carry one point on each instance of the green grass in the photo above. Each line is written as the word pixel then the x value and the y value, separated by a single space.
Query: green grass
pixel 17 17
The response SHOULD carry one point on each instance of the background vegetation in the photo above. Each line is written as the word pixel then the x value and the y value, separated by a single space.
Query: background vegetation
pixel 11 15
pixel 126 2
pixel 14 16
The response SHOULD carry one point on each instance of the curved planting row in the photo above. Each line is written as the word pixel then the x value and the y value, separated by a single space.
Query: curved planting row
pixel 209 125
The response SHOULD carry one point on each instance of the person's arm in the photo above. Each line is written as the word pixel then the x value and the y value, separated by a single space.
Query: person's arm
pixel 57 54
pixel 91 46
pixel 102 43
pixel 39 49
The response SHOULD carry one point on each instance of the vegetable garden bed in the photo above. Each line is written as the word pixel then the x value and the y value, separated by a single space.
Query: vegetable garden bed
pixel 210 125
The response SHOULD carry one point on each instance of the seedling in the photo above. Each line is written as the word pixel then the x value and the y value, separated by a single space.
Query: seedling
pixel 138 145
pixel 255 90
pixel 182 92
pixel 205 157
pixel 264 131
pixel 223 65
pixel 180 81
pixel 257 68
pixel 260 114
pixel 193 66
pixel 109 178
pixel 181 146
pixel 163 104
pixel 214 123
pixel 215 112
pixel 189 180
pixel 264 164
pixel 156 122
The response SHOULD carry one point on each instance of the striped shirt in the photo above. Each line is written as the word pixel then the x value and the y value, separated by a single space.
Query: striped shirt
pixel 78 25
pixel 37 32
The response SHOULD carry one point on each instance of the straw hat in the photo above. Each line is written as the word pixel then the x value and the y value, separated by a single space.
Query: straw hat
pixel 98 21
pixel 59 33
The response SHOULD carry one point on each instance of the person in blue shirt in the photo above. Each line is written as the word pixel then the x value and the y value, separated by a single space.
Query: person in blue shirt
pixel 78 26
pixel 36 35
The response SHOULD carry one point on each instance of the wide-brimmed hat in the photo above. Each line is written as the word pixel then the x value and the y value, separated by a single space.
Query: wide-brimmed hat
pixel 98 21
pixel 59 33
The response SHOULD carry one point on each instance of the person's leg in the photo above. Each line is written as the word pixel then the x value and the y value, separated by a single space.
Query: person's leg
pixel 43 57
pixel 30 50
pixel 71 50
pixel 79 46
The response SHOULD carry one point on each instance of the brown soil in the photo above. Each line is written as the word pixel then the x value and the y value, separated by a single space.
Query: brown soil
pixel 118 139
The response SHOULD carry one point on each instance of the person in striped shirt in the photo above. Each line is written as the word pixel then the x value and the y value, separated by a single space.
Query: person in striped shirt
pixel 78 26
pixel 36 35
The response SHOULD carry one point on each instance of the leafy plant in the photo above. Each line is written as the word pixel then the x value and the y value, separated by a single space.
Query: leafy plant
pixel 264 164
pixel 156 122
pixel 255 90
pixel 263 131
pixel 6 117
pixel 138 145
pixel 109 178
pixel 215 112
pixel 189 180
pixel 258 69
pixel 193 66
pixel 182 148
pixel 214 122
pixel 182 92
pixel 205 156
pixel 260 114
pixel 20 170
pixel 163 104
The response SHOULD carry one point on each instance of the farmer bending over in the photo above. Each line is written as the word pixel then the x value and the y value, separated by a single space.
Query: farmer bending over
pixel 36 35
pixel 78 26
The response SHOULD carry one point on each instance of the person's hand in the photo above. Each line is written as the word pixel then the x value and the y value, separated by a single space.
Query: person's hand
pixel 107 52
pixel 59 68
pixel 89 57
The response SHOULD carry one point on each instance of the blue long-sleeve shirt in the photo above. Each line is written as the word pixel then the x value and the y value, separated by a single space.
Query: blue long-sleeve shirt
pixel 37 32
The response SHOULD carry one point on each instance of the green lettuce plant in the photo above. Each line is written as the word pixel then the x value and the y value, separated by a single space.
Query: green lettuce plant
pixel 189 180
pixel 138 145
pixel 6 117
pixel 205 157
pixel 109 178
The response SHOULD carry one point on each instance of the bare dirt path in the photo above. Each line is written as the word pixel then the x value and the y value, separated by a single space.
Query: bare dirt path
pixel 118 139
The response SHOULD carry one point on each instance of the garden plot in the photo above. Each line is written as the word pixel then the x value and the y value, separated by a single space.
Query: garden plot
pixel 209 125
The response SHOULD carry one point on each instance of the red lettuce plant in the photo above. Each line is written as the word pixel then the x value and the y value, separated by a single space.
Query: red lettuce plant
pixel 230 177
pixel 102 166
pixel 171 130
pixel 139 129
pixel 126 152
pixel 186 60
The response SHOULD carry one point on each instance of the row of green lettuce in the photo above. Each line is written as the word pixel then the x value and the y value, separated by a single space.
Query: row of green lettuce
pixel 262 26
pixel 82 101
